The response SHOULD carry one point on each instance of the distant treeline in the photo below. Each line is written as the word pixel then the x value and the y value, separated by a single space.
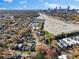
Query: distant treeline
pixel 69 16
pixel 64 35
pixel 20 13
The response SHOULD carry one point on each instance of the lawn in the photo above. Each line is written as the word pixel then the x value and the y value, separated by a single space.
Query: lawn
pixel 49 35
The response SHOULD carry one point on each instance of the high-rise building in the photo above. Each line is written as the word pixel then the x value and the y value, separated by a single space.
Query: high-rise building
pixel 60 9
pixel 68 9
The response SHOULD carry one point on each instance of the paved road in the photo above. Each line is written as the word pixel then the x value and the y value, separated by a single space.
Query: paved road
pixel 56 26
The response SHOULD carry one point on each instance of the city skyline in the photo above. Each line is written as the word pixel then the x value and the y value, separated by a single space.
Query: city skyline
pixel 37 4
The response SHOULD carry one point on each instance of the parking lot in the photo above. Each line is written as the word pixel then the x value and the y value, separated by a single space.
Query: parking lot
pixel 68 42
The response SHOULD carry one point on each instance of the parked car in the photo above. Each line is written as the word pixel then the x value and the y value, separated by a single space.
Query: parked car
pixel 20 46
pixel 67 40
pixel 63 43
pixel 73 41
pixel 59 45
pixel 32 41
pixel 76 40
pixel 63 56
pixel 27 48
pixel 33 47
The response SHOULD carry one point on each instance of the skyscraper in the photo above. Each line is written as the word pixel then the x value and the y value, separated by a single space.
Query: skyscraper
pixel 68 8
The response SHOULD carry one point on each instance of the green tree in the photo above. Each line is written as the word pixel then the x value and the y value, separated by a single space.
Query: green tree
pixel 40 55
pixel 1 57
pixel 42 25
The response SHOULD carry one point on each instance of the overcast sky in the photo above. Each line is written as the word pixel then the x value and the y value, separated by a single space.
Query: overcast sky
pixel 37 4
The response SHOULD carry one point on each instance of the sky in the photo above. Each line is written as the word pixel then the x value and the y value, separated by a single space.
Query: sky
pixel 37 4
